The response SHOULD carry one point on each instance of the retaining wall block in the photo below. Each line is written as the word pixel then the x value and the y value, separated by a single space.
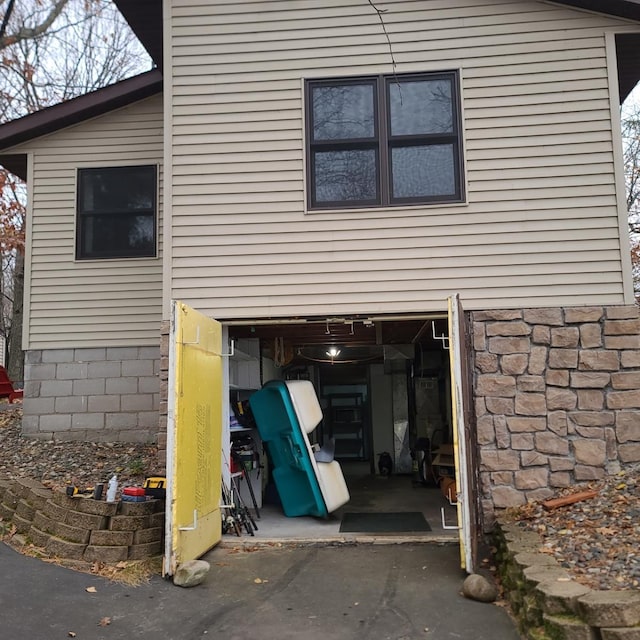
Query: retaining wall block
pixel 128 523
pixel 22 525
pixel 25 511
pixel 37 537
pixel 111 538
pixel 64 548
pixel 10 499
pixel 630 633
pixel 94 507
pixel 144 536
pixel 68 532
pixel 137 508
pixel 54 511
pixel 610 608
pixel 146 550
pixel 561 598
pixel 86 520
pixel 105 554
pixel 38 497
pixel 568 628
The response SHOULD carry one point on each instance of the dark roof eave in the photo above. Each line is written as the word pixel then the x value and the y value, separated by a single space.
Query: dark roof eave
pixel 79 109
pixel 620 8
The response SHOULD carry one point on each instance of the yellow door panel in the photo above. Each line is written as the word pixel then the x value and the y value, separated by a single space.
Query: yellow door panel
pixel 194 428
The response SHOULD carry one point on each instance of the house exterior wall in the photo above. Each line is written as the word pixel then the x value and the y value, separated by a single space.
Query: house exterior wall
pixel 541 225
pixel 89 303
pixel 557 399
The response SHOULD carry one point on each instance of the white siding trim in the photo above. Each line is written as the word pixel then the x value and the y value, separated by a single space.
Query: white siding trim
pixel 168 99
pixel 26 308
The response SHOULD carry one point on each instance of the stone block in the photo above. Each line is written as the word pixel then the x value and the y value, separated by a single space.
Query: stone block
pixel 108 555
pixel 583 473
pixel 522 441
pixel 25 511
pixel 86 520
pixel 486 362
pixel 626 380
pixel 494 460
pixel 536 575
pixel 501 478
pixel 622 342
pixel 592 418
pixel 37 538
pixel 590 452
pixel 507 329
pixel 590 432
pixel 11 497
pixel 157 519
pixel 500 406
pixel 67 549
pixel 537 361
pixel 557 378
pixel 484 430
pixel 560 479
pixel 591 336
pixel 535 478
pixel 42 522
pixel 590 400
pixel 22 487
pixel 622 327
pixel 145 550
pixel 624 312
pixel 531 404
pixel 610 608
pixel 561 464
pixel 506 497
pixel 548 316
pixel 514 364
pixel 495 385
pixel 497 314
pixel 538 495
pixel 128 523
pixel 605 360
pixel 530 384
pixel 630 359
pixel 95 507
pixel 144 536
pixel 567 628
pixel 547 442
pixel 623 399
pixel 503 437
pixel 629 453
pixel 582 314
pixel 628 426
pixel 6 513
pixel 504 346
pixel 628 633
pixel 111 538
pixel 565 337
pixel 526 425
pixel 563 358
pixel 557 421
pixel 612 448
pixel 558 398
pixel 22 525
pixel 71 533
pixel 38 496
pixel 541 335
pixel 589 380
pixel 533 459
pixel 54 511
pixel 136 508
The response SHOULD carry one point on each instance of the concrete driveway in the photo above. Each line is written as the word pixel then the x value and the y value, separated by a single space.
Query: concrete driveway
pixel 343 592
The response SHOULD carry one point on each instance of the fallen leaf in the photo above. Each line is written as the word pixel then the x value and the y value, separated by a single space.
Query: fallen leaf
pixel 91 590
pixel 258 581
pixel 104 622
pixel 71 634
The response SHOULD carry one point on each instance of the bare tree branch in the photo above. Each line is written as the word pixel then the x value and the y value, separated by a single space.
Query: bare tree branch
pixel 28 33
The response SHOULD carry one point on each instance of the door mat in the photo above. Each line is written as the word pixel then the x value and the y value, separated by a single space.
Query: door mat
pixel 400 522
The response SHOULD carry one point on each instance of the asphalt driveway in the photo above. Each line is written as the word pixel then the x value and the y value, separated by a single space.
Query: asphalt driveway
pixel 343 592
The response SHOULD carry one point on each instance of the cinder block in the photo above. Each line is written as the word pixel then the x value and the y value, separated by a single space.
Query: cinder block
pixel 71 404
pixel 55 388
pixel 40 372
pixel 149 353
pixel 111 538
pixel 38 406
pixel 105 554
pixel 149 384
pixel 122 353
pixel 57 355
pixel 30 424
pixel 32 389
pixel 137 368
pixel 141 551
pixel 139 402
pixel 55 422
pixel 33 356
pixel 108 403
pixel 71 371
pixel 77 435
pixel 121 385
pixel 89 387
pixel 104 369
pixel 149 420
pixel 65 549
pixel 87 421
pixel 121 420
pixel 90 354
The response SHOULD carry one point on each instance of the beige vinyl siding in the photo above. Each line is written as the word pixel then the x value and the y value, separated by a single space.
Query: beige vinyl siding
pixel 540 225
pixel 90 302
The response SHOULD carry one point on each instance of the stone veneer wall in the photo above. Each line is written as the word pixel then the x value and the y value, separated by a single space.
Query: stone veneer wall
pixel 99 394
pixel 557 399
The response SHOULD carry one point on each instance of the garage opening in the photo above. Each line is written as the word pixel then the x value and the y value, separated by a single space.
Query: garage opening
pixel 384 386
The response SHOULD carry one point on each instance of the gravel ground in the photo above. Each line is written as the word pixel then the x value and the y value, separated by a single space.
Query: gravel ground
pixel 57 464
pixel 597 540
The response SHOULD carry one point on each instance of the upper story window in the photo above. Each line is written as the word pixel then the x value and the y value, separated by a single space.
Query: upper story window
pixel 384 141
pixel 116 212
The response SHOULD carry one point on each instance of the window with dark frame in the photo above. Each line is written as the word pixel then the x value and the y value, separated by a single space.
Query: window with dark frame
pixel 384 141
pixel 116 212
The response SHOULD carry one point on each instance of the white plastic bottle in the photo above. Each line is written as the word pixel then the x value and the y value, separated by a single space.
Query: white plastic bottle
pixel 113 487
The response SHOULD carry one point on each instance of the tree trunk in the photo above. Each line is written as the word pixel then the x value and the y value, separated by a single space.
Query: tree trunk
pixel 15 362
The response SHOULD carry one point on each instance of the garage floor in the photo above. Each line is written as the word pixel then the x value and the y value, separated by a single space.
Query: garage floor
pixel 369 493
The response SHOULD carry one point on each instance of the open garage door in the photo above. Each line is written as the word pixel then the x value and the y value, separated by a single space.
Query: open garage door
pixel 194 428
pixel 463 435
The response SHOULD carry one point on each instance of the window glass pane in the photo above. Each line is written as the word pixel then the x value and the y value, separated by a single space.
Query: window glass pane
pixel 349 175
pixel 425 171
pixel 118 235
pixel 343 112
pixel 117 189
pixel 420 107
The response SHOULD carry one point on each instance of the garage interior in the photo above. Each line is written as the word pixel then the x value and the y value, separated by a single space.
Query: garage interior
pixel 384 387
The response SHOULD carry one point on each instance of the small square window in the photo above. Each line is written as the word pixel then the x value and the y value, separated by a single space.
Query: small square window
pixel 116 212
pixel 384 141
